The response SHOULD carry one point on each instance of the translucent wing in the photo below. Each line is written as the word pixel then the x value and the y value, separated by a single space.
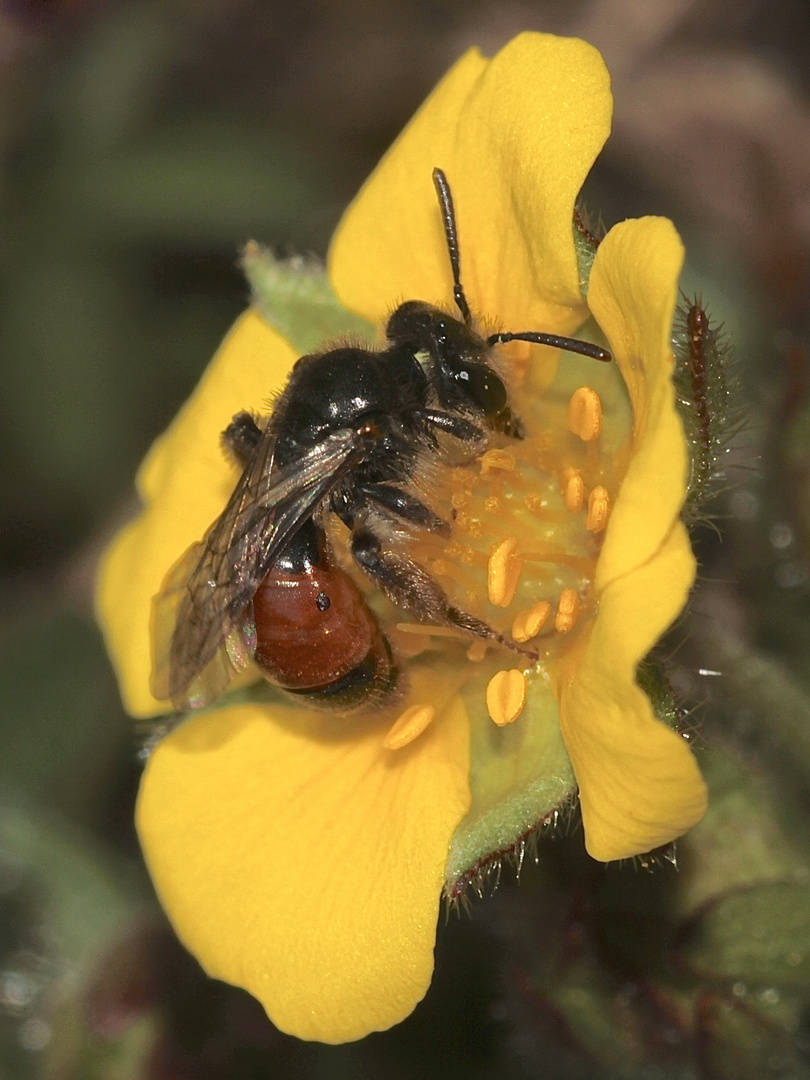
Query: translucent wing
pixel 201 628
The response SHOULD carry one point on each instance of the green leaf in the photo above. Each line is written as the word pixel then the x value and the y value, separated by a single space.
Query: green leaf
pixel 738 1044
pixel 759 935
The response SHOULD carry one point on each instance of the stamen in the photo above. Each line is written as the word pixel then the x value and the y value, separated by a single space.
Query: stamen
pixel 503 572
pixel 517 352
pixel 434 631
pixel 409 726
pixel 567 611
pixel 506 696
pixel 477 651
pixel 598 509
pixel 584 413
pixel 573 489
pixel 528 624
pixel 409 646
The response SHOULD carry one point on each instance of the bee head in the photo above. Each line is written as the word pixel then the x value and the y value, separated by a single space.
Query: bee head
pixel 458 358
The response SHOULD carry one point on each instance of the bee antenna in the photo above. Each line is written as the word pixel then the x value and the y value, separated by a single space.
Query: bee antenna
pixel 555 341
pixel 451 235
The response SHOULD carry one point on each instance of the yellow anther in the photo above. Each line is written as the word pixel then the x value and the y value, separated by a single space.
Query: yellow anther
pixel 503 572
pixel 529 623
pixel 573 489
pixel 506 696
pixel 409 726
pixel 497 461
pixel 567 611
pixel 477 651
pixel 584 413
pixel 598 509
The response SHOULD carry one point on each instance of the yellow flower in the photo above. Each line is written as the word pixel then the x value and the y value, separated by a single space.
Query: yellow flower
pixel 296 855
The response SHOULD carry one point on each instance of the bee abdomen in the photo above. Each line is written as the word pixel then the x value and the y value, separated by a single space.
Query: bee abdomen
pixel 316 637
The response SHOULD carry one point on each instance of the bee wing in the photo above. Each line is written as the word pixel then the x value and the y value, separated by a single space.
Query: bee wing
pixel 201 628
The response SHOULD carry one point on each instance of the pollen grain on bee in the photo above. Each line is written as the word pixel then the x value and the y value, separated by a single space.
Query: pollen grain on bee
pixel 529 623
pixel 503 572
pixel 409 726
pixel 506 696
pixel 598 509
pixel 584 413
pixel 494 461
pixel 565 617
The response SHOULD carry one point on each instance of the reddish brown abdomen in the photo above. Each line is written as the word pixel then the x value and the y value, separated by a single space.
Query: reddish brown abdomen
pixel 316 635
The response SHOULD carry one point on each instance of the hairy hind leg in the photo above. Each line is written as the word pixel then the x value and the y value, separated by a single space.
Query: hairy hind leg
pixel 410 586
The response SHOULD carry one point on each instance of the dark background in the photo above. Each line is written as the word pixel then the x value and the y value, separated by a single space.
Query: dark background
pixel 140 145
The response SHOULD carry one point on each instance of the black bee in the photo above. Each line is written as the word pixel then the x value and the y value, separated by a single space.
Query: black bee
pixel 345 437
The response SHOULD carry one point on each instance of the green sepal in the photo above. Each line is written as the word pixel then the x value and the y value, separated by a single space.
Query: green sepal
pixel 521 778
pixel 651 678
pixel 585 245
pixel 296 298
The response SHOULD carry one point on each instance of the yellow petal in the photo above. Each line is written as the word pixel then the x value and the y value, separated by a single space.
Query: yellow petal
pixel 632 294
pixel 639 784
pixel 298 858
pixel 184 483
pixel 516 136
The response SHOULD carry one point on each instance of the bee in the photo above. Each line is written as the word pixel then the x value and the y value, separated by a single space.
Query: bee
pixel 346 437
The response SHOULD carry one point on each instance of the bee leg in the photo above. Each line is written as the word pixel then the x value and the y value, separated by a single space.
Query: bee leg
pixel 510 424
pixel 410 586
pixel 405 506
pixel 456 426
pixel 241 437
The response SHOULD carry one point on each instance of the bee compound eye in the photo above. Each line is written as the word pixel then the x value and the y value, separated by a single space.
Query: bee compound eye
pixel 484 387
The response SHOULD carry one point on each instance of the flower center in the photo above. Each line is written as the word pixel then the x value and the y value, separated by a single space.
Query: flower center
pixel 528 521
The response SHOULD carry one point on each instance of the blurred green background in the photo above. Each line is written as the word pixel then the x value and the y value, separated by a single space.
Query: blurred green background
pixel 141 143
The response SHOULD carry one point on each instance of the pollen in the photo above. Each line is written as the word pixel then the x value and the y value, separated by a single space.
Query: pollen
pixel 503 572
pixel 584 415
pixel 497 461
pixel 529 623
pixel 409 726
pixel 598 509
pixel 573 489
pixel 567 611
pixel 506 696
